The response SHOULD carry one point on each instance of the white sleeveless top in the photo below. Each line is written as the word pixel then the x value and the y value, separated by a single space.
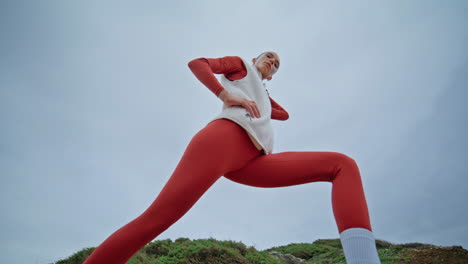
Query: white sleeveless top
pixel 250 87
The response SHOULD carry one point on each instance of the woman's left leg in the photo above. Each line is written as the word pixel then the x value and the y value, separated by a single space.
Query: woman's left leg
pixel 348 199
pixel 294 168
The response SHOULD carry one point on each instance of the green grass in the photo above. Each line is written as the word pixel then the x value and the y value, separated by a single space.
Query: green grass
pixel 212 251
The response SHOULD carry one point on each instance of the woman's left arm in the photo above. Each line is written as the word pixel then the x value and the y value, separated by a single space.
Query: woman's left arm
pixel 277 112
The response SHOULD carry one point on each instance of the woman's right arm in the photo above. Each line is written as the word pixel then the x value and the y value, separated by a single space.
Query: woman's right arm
pixel 205 68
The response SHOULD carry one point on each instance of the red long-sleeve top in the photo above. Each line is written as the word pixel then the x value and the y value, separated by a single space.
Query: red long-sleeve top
pixel 233 69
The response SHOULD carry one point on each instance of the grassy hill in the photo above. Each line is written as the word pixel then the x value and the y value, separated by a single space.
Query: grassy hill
pixel 322 251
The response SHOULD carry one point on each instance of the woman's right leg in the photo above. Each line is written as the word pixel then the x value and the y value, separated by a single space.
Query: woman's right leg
pixel 220 147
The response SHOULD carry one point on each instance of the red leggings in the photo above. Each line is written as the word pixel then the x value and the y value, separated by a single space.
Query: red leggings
pixel 224 148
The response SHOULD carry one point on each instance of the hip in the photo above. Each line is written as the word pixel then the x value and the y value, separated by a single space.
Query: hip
pixel 223 144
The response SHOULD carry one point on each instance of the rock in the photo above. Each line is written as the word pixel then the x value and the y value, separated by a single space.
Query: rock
pixel 287 258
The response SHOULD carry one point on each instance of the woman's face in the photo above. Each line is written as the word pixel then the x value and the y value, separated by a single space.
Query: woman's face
pixel 267 63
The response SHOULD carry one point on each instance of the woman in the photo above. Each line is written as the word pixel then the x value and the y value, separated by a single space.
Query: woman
pixel 237 144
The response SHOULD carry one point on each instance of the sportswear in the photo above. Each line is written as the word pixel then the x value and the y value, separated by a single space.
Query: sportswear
pixel 242 79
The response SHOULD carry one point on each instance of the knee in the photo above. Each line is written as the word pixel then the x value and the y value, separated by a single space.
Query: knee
pixel 345 165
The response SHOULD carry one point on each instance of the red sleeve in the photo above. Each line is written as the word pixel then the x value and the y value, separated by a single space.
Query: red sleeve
pixel 277 112
pixel 204 69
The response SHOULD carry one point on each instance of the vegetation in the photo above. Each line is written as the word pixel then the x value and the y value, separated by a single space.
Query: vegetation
pixel 322 251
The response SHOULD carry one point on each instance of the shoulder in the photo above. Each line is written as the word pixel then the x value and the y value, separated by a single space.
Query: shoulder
pixel 236 66
pixel 235 62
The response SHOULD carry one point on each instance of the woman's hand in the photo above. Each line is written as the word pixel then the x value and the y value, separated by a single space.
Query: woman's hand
pixel 231 100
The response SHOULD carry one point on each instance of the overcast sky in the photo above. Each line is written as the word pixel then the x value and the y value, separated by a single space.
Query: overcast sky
pixel 97 105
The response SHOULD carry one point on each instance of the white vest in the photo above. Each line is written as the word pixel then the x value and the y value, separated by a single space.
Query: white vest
pixel 251 88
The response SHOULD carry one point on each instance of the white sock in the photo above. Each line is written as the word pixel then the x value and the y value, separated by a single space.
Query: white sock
pixel 359 246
